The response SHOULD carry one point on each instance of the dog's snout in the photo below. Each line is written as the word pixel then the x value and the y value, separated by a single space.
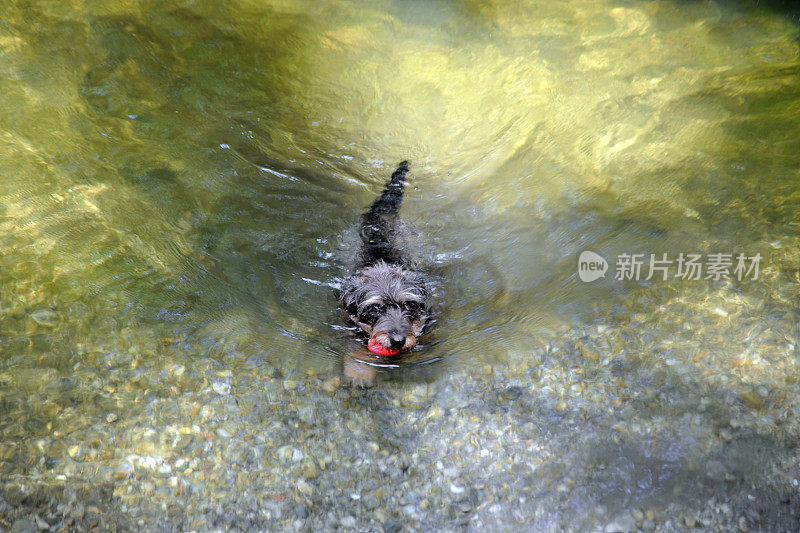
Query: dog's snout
pixel 397 341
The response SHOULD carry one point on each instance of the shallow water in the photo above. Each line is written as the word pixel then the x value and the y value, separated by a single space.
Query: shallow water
pixel 178 184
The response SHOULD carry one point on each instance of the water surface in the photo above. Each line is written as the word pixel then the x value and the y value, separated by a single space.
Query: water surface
pixel 178 183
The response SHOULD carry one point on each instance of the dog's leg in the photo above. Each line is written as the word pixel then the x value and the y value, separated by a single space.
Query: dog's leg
pixel 357 373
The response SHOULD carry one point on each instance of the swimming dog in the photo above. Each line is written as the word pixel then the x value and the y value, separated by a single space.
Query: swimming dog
pixel 386 297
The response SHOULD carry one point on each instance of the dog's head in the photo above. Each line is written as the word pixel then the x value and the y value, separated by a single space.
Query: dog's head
pixel 389 303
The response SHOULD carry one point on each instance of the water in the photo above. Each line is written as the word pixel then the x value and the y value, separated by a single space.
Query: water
pixel 178 184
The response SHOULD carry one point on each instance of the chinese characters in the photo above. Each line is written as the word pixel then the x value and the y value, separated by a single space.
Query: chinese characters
pixel 714 266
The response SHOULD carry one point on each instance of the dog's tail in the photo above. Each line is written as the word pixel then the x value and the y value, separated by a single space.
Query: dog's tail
pixel 392 197
pixel 377 224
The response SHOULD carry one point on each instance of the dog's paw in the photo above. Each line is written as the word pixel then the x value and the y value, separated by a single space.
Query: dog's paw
pixel 358 374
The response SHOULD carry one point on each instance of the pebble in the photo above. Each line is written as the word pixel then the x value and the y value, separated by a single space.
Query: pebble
pixel 415 396
pixel 742 524
pixel 300 511
pixel 24 525
pixel 331 385
pixel 410 511
pixel 304 488
pixel 310 471
pixel 589 354
pixel 464 506
pixel 78 512
pixel 752 399
pixel 392 525
pixel 221 387
pixel 410 497
pixel 123 470
pixel 455 489
pixel 45 317
pixel 370 502
pixel 622 524
pixel 290 453
pixel 434 413
pixel 307 415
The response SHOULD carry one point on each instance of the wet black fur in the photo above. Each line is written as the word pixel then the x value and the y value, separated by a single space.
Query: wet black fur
pixel 386 297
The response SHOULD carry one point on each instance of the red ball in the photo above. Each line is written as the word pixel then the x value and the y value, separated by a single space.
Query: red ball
pixel 379 349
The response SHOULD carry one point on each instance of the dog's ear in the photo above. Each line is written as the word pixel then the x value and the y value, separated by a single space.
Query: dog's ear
pixel 419 283
pixel 347 298
pixel 351 307
pixel 427 323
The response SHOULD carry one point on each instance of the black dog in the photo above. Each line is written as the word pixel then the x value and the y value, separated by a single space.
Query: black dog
pixel 386 297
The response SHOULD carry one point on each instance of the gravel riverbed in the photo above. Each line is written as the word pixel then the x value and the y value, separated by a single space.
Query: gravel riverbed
pixel 563 439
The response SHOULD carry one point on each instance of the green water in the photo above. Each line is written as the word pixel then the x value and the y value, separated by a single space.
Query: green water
pixel 176 182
